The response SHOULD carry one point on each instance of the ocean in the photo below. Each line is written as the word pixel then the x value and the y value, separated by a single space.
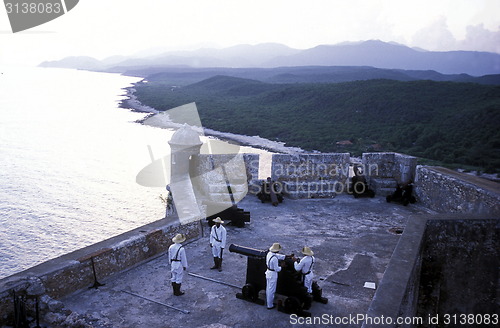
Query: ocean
pixel 69 157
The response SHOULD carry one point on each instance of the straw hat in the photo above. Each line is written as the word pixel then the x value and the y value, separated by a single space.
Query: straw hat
pixel 179 238
pixel 307 251
pixel 275 248
pixel 218 220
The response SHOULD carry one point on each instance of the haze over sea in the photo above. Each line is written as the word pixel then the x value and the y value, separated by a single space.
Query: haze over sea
pixel 68 161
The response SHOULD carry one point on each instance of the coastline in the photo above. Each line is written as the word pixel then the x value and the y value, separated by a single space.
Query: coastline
pixel 133 104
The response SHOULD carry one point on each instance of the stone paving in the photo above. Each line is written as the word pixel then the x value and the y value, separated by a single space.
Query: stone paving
pixel 350 237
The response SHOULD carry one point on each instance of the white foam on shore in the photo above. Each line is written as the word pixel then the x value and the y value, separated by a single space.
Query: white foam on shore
pixel 252 141
pixel 135 104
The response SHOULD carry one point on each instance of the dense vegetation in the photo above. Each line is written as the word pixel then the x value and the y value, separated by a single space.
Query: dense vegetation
pixel 455 123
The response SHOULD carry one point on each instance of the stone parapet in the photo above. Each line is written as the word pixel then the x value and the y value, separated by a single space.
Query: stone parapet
pixel 379 165
pixel 209 171
pixel 447 191
pixel 439 267
pixel 71 272
pixel 311 175
pixel 383 187
pixel 394 168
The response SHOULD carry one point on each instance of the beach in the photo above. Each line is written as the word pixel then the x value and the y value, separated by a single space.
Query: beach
pixel 134 104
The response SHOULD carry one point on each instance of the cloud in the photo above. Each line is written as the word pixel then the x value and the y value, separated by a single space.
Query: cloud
pixel 435 36
pixel 438 37
pixel 479 38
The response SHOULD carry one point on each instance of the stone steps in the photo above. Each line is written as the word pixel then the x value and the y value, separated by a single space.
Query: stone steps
pixel 383 186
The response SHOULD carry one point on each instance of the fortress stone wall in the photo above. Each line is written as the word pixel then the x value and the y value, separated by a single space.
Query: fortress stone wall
pixel 440 267
pixel 301 176
pixel 327 175
pixel 447 191
pixel 387 170
pixel 311 175
pixel 71 272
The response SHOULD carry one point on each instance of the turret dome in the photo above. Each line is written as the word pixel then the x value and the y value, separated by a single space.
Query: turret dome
pixel 185 136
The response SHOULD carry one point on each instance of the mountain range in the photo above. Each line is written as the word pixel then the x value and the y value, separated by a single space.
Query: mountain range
pixel 371 53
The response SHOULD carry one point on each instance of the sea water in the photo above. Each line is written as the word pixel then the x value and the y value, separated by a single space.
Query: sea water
pixel 69 157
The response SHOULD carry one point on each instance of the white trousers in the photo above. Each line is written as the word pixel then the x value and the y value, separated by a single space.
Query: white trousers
pixel 216 250
pixel 177 272
pixel 308 282
pixel 271 290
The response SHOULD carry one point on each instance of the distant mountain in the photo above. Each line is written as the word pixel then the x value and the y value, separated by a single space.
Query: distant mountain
pixel 243 55
pixel 369 53
pixel 394 56
pixel 79 62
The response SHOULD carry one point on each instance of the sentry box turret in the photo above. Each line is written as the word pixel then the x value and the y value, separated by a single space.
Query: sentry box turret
pixel 290 283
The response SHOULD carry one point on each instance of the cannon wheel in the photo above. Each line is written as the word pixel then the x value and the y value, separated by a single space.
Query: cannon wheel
pixel 292 305
pixel 248 292
pixel 308 299
pixel 318 293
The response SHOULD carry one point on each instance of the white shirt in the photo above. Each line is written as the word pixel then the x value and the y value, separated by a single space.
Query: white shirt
pixel 218 236
pixel 177 254
pixel 305 265
pixel 272 264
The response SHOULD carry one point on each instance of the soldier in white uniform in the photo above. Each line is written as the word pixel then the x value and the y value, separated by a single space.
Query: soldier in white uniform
pixel 217 242
pixel 178 263
pixel 273 268
pixel 305 266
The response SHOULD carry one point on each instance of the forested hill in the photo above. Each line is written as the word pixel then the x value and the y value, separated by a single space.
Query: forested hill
pixel 445 121
pixel 303 74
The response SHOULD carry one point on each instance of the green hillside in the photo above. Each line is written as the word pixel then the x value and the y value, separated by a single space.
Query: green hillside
pixel 455 123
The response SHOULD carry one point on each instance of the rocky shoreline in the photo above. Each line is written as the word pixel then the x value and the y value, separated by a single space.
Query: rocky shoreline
pixel 132 103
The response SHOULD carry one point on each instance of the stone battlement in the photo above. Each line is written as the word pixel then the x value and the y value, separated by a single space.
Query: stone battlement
pixel 71 272
pixel 300 175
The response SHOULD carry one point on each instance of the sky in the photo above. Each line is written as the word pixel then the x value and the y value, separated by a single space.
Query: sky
pixel 103 28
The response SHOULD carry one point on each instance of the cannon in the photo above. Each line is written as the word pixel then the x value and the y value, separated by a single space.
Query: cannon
pixel 235 215
pixel 271 191
pixel 402 194
pixel 359 187
pixel 290 283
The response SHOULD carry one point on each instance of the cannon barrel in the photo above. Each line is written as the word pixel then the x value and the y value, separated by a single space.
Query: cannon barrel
pixel 247 251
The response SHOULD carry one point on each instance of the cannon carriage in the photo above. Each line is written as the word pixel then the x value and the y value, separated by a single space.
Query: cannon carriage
pixel 359 186
pixel 290 283
pixel 271 191
pixel 403 194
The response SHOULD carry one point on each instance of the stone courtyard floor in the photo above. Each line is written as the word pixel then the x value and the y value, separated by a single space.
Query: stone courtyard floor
pixel 350 237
